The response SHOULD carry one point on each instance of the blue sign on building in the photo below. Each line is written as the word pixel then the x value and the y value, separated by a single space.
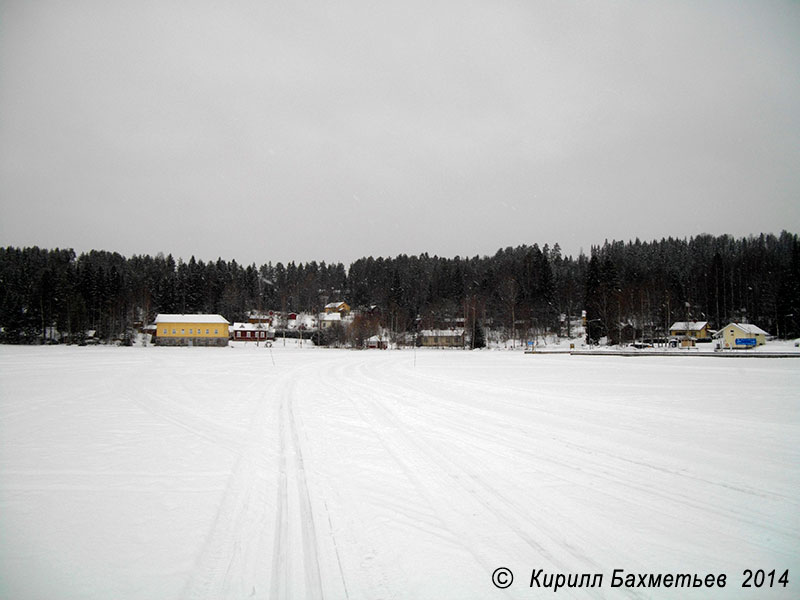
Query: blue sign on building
pixel 746 342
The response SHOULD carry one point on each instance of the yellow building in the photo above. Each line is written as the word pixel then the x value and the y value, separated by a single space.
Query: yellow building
pixel 191 330
pixel 337 307
pixel 741 335
pixel 697 330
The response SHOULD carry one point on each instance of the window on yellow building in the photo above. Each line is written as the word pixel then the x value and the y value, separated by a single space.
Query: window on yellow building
pixel 206 331
pixel 173 332
pixel 165 332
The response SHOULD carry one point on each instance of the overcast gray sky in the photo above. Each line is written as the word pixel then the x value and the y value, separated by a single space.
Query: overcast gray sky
pixel 329 130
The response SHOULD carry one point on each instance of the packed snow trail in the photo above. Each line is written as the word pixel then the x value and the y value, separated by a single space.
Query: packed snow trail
pixel 200 474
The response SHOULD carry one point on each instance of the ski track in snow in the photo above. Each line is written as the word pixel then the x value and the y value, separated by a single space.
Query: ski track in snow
pixel 292 477
pixel 382 475
pixel 610 466
pixel 459 476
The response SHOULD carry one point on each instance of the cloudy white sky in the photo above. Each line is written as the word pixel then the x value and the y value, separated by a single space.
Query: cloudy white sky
pixel 330 130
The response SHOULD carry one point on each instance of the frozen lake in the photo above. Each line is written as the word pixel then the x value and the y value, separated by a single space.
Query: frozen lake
pixel 161 473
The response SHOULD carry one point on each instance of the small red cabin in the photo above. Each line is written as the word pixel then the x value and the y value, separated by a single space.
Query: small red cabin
pixel 251 332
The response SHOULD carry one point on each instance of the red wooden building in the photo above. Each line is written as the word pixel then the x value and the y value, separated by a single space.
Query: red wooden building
pixel 251 332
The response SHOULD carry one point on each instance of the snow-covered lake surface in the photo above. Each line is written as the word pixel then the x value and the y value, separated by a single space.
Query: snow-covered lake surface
pixel 206 473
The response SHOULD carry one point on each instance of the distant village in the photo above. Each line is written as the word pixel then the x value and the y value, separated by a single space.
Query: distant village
pixel 341 326
pixel 337 325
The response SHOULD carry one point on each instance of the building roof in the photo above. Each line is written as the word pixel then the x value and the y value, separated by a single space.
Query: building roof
pixel 333 304
pixel 688 325
pixel 442 332
pixel 250 327
pixel 199 318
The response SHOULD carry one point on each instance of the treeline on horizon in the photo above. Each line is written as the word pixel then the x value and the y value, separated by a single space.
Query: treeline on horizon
pixel 629 290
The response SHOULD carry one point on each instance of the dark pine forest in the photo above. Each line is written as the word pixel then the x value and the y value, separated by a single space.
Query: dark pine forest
pixel 628 289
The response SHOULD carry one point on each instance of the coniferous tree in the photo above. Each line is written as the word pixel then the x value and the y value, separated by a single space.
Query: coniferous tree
pixel 595 326
pixel 479 336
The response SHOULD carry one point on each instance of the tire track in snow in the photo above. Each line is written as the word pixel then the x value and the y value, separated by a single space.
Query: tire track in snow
pixel 492 501
pixel 161 406
pixel 252 551
pixel 310 538
pixel 595 464
pixel 280 575
pixel 232 564
pixel 187 420
pixel 454 473
pixel 416 461
pixel 297 546
pixel 292 478
pixel 307 525
pixel 354 559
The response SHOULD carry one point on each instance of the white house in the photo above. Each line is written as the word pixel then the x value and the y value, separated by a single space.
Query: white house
pixel 329 319
pixel 377 341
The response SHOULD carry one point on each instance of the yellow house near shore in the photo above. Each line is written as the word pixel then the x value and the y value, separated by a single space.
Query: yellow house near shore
pixel 741 336
pixel 697 330
pixel 191 330
pixel 337 307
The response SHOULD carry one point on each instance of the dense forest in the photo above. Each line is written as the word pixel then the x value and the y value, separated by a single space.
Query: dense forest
pixel 629 290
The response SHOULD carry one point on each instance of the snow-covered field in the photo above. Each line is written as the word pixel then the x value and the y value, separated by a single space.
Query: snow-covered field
pixel 205 473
